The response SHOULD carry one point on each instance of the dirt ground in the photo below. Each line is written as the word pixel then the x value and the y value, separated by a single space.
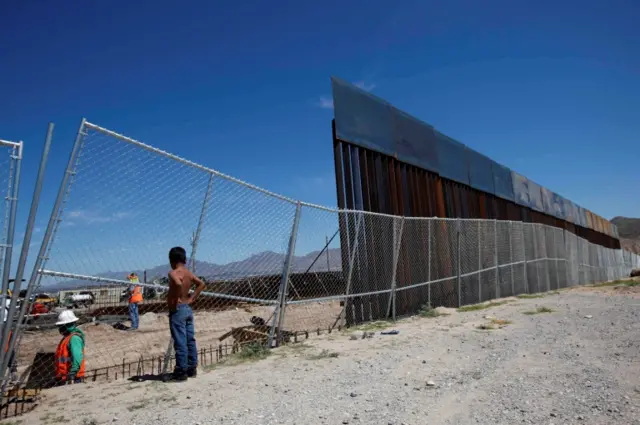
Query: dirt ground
pixel 107 346
pixel 568 357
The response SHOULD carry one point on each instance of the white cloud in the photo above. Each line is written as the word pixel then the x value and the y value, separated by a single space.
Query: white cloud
pixel 325 102
pixel 92 217
pixel 365 86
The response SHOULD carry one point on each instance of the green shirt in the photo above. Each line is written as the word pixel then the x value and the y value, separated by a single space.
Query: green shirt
pixel 76 346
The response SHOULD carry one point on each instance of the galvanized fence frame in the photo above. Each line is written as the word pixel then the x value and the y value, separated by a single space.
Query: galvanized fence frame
pixel 8 213
pixel 385 260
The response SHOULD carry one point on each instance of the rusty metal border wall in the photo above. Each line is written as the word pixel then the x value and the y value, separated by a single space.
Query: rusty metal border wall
pixel 370 181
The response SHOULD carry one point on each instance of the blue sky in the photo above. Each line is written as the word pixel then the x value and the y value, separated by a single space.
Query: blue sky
pixel 550 89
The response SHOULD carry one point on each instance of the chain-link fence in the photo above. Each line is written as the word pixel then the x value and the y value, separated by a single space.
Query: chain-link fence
pixel 274 268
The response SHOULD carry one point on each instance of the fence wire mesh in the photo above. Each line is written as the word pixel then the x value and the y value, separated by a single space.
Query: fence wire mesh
pixel 272 266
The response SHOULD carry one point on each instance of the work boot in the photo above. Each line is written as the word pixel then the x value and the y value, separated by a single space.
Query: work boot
pixel 192 372
pixel 174 377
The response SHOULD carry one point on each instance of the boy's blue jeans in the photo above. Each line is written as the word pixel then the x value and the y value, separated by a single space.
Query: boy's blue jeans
pixel 133 315
pixel 184 339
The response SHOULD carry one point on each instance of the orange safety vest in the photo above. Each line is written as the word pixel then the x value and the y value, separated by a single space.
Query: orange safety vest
pixel 63 358
pixel 136 295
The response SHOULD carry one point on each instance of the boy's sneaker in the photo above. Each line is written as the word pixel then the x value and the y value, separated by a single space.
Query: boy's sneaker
pixel 192 373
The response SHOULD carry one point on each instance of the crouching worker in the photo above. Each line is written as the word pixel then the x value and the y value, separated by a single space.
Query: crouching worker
pixel 70 352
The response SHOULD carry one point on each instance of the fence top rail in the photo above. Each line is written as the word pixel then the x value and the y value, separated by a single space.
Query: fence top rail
pixel 185 161
pixel 127 283
pixel 15 145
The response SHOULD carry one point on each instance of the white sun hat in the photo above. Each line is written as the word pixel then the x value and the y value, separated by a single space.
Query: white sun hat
pixel 66 317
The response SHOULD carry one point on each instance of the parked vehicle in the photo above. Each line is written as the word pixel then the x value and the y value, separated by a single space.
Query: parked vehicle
pixel 79 300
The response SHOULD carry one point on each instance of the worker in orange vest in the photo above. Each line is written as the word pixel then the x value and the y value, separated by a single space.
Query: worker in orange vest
pixel 70 352
pixel 135 298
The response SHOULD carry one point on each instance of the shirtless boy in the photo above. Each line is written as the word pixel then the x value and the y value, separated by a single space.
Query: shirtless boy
pixel 181 315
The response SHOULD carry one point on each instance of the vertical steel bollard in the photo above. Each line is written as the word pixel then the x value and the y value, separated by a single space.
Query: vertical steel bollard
pixel 284 281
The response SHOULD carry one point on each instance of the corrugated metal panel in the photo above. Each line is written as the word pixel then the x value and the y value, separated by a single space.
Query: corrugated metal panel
pixel 558 206
pixel 569 211
pixel 520 189
pixel 362 119
pixel 589 216
pixel 502 182
pixel 535 196
pixel 452 159
pixel 547 201
pixel 480 171
pixel 415 141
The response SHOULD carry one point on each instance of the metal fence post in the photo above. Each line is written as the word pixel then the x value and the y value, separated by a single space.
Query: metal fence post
pixel 535 256
pixel 555 238
pixel 524 254
pixel 196 237
pixel 397 243
pixel 513 283
pixel 35 201
pixel 284 281
pixel 479 263
pixel 12 199
pixel 429 261
pixel 496 258
pixel 458 261
pixel 350 272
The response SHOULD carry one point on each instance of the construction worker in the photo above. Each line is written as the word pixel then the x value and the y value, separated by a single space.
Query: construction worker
pixel 70 352
pixel 135 298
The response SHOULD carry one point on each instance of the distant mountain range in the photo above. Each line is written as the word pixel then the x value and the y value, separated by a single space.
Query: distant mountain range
pixel 264 263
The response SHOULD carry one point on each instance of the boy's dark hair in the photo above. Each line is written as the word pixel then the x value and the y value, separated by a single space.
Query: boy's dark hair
pixel 177 255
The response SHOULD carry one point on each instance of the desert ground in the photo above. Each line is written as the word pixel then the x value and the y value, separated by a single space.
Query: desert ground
pixel 568 357
pixel 108 346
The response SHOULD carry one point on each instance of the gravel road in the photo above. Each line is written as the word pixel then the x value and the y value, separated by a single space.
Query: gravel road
pixel 578 364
